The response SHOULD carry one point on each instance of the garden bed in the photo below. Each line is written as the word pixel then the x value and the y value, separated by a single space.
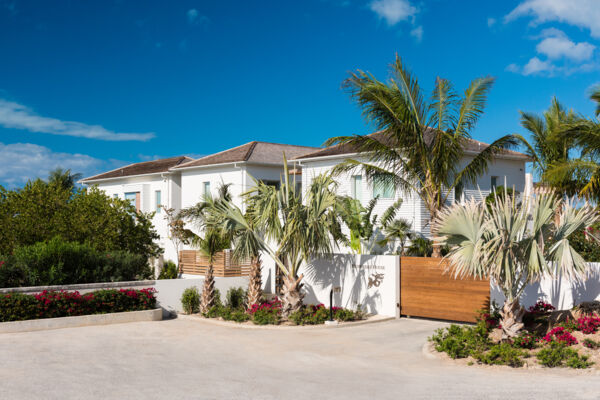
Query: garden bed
pixel 550 339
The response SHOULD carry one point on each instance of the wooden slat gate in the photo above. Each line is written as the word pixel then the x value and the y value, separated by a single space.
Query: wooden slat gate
pixel 427 290
pixel 193 263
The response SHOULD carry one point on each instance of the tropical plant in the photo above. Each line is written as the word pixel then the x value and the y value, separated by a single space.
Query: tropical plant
pixel 290 230
pixel 420 145
pixel 212 243
pixel 399 230
pixel 63 178
pixel 420 246
pixel 362 223
pixel 178 234
pixel 514 244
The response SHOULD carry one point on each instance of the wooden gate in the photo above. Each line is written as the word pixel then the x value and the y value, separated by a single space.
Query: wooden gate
pixel 428 290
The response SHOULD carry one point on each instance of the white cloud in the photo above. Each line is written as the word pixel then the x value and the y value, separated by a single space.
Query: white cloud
pixel 23 161
pixel 536 66
pixel 491 22
pixel 581 13
pixel 192 15
pixel 393 11
pixel 17 116
pixel 557 45
pixel 417 33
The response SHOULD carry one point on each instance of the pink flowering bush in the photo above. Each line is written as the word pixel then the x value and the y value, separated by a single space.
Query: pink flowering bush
pixel 541 307
pixel 53 304
pixel 525 340
pixel 561 335
pixel 266 313
pixel 588 325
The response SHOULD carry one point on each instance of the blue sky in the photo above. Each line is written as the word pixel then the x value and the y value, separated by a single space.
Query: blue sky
pixel 91 85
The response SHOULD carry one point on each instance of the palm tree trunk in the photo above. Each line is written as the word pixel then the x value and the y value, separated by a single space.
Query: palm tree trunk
pixel 255 282
pixel 512 318
pixel 291 295
pixel 208 291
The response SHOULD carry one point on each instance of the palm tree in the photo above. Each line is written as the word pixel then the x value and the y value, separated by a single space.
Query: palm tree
pixel 63 178
pixel 421 143
pixel 209 245
pixel 514 245
pixel 291 231
pixel 551 144
pixel 584 171
pixel 398 229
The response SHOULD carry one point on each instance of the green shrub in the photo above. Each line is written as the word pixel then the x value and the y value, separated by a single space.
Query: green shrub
pixel 235 298
pixel 501 354
pixel 318 314
pixel 58 262
pixel 50 304
pixel 169 271
pixel 591 344
pixel 461 341
pixel 266 317
pixel 558 354
pixel 190 300
pixel 235 315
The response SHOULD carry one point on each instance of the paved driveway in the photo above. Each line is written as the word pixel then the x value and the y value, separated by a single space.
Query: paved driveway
pixel 183 359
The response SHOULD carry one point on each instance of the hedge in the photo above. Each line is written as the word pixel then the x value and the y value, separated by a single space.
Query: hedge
pixel 58 262
pixel 53 304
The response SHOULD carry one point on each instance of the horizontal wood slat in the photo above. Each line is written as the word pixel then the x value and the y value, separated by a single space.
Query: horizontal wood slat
pixel 194 263
pixel 428 290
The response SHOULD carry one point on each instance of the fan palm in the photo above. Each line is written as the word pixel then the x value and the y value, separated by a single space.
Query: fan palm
pixel 514 244
pixel 210 245
pixel 291 231
pixel 63 178
pixel 421 143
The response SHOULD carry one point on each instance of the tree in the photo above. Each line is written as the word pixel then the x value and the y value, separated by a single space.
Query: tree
pixel 398 229
pixel 550 143
pixel 178 234
pixel 63 178
pixel 421 143
pixel 209 245
pixel 291 231
pixel 500 242
pixel 361 222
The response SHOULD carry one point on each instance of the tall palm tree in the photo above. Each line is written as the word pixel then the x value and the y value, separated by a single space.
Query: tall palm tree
pixel 290 230
pixel 398 229
pixel 210 245
pixel 514 244
pixel 63 178
pixel 421 143
pixel 583 172
pixel 551 144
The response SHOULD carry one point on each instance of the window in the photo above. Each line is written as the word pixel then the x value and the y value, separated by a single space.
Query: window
pixel 357 187
pixel 383 187
pixel 494 182
pixel 206 189
pixel 157 196
pixel 134 199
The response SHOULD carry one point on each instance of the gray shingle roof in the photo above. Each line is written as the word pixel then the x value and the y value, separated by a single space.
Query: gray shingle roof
pixel 252 152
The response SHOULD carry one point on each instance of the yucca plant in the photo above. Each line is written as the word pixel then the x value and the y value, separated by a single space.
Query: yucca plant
pixel 514 244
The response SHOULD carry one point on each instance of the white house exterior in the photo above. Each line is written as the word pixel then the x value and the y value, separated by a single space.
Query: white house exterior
pixel 181 182
pixel 507 170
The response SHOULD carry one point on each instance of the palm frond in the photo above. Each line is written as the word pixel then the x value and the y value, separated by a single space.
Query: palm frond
pixel 472 105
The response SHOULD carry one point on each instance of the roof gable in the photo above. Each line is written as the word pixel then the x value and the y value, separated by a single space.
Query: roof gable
pixel 142 168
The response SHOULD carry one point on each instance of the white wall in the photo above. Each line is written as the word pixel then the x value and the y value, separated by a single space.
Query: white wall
pixel 561 293
pixel 371 282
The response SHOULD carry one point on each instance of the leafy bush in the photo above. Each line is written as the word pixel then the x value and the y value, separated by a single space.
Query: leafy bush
pixel 318 314
pixel 235 298
pixel 461 341
pixel 236 315
pixel 588 325
pixel 51 304
pixel 58 262
pixel 558 354
pixel 190 300
pixel 560 334
pixel 266 317
pixel 501 354
pixel 591 344
pixel 525 340
pixel 541 307
pixel 589 307
pixel 169 271
pixel 586 246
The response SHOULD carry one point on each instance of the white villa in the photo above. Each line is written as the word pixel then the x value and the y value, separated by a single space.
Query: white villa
pixel 180 182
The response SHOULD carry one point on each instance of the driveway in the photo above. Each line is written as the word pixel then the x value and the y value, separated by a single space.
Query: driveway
pixel 185 359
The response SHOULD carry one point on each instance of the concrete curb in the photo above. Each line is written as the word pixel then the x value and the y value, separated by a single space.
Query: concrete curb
pixel 231 324
pixel 82 320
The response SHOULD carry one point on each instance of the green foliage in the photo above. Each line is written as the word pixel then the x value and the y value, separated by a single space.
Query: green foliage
pixel 232 314
pixel 40 211
pixel 461 341
pixel 190 300
pixel 501 354
pixel 500 192
pixel 585 245
pixel 557 354
pixel 235 298
pixel 266 317
pixel 20 307
pixel 315 315
pixel 169 271
pixel 591 344
pixel 58 262
pixel 420 247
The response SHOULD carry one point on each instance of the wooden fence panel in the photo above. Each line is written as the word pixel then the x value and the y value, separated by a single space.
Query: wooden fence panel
pixel 194 263
pixel 428 290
